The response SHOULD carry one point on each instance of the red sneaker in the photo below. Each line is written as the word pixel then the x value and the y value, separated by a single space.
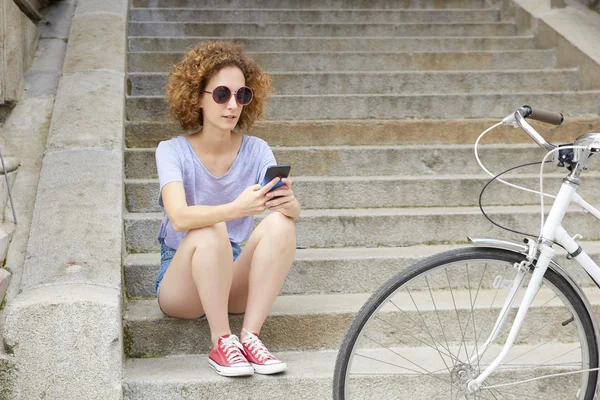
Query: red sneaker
pixel 228 358
pixel 259 357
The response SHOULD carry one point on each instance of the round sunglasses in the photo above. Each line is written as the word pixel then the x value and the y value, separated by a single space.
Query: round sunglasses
pixel 222 94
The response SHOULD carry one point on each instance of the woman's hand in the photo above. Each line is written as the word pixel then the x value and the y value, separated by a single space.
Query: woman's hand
pixel 283 200
pixel 252 200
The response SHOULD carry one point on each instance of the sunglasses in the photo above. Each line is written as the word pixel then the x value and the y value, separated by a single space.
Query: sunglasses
pixel 222 94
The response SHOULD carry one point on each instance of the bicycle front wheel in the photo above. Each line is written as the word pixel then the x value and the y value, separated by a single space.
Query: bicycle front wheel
pixel 422 335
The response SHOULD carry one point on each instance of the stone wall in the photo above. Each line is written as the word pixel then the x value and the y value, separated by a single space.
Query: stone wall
pixel 593 4
pixel 18 40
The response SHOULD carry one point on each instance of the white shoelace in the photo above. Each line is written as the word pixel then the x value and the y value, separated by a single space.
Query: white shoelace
pixel 233 350
pixel 257 347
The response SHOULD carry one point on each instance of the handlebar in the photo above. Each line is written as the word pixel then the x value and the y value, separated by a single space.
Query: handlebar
pixel 548 117
pixel 519 116
pixel 568 156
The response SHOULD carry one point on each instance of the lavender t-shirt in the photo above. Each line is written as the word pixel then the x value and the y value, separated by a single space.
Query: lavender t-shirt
pixel 176 161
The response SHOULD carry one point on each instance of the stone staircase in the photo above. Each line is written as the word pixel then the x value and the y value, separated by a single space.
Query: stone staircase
pixel 377 105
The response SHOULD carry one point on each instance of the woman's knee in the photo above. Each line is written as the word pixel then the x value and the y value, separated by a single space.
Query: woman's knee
pixel 213 236
pixel 279 225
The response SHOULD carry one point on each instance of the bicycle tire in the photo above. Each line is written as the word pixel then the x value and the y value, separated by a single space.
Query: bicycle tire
pixel 584 322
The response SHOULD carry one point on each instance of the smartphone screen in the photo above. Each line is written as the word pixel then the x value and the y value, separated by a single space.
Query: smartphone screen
pixel 274 171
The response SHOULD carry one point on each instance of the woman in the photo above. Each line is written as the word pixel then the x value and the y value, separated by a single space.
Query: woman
pixel 209 190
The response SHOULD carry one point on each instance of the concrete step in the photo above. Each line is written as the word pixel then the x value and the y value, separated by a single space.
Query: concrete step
pixel 140 134
pixel 388 227
pixel 150 333
pixel 367 161
pixel 390 191
pixel 182 29
pixel 313 4
pixel 309 107
pixel 314 16
pixel 414 82
pixel 331 44
pixel 310 376
pixel 370 61
pixel 336 270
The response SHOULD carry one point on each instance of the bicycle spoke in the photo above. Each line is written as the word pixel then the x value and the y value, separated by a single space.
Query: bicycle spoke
pixel 493 395
pixel 521 395
pixel 401 356
pixel 399 366
pixel 409 335
pixel 457 316
pixel 501 395
pixel 439 320
pixel 544 363
pixel 424 330
pixel 527 352
pixel 431 336
pixel 441 393
pixel 472 306
pixel 458 392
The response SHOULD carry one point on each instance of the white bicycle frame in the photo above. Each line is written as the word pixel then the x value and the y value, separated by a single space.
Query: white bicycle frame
pixel 552 231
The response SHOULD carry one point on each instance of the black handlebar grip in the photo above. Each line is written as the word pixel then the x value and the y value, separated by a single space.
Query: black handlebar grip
pixel 548 117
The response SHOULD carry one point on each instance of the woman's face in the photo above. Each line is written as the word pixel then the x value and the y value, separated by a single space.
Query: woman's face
pixel 223 116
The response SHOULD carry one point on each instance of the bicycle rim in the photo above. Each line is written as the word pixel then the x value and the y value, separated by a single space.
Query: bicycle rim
pixel 421 336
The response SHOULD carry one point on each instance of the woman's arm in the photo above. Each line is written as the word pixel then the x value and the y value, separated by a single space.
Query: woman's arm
pixel 184 217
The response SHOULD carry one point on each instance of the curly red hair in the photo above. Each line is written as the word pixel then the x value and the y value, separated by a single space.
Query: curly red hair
pixel 189 78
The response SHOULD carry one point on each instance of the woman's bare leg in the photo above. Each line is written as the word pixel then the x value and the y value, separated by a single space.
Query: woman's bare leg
pixel 199 278
pixel 261 268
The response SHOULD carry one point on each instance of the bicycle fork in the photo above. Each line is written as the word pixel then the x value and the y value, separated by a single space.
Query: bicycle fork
pixel 546 254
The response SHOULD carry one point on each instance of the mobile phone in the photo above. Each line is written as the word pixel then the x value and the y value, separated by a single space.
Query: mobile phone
pixel 274 171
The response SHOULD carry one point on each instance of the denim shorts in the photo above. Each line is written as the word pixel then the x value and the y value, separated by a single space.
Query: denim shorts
pixel 167 254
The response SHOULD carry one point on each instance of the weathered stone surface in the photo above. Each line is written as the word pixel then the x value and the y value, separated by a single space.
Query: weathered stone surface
pixel 41 80
pixel 97 41
pixel 372 132
pixel 151 333
pixel 119 7
pixel 66 340
pixel 12 52
pixel 317 16
pixel 7 230
pixel 308 29
pixel 392 191
pixel 57 20
pixel 382 44
pixel 312 4
pixel 413 82
pixel 359 160
pixel 76 232
pixel 87 106
pixel 64 328
pixel 389 227
pixel 7 377
pixel 4 282
pixel 310 377
pixel 478 105
pixel 315 61
pixel 336 270
pixel 50 56
pixel 573 31
pixel 31 35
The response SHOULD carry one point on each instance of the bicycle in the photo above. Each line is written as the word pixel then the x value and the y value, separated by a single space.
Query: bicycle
pixel 498 320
